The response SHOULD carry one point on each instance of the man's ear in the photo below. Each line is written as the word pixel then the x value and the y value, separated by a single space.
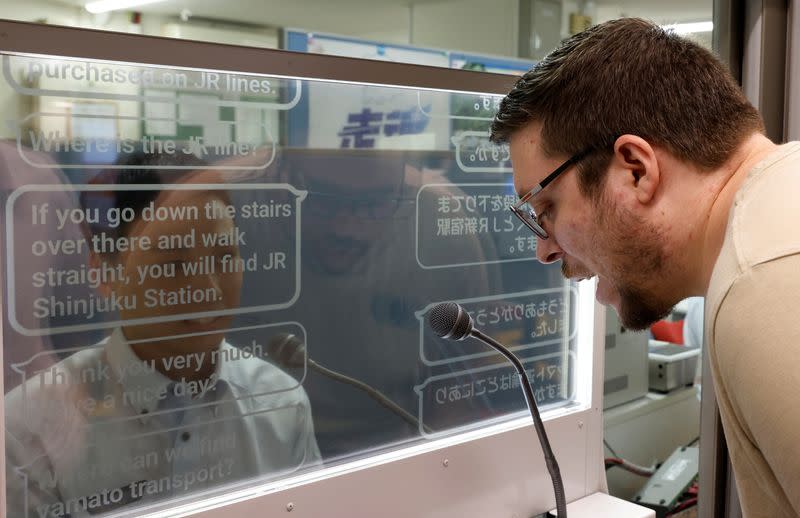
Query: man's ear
pixel 638 159
pixel 96 261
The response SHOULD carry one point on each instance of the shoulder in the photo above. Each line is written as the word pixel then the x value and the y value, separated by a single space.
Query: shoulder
pixel 68 371
pixel 48 400
pixel 763 226
pixel 247 368
pixel 752 327
pixel 765 216
pixel 753 354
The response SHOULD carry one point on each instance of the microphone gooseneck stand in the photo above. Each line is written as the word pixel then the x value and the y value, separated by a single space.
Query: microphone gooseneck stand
pixel 451 321
pixel 288 351
pixel 372 392
pixel 549 457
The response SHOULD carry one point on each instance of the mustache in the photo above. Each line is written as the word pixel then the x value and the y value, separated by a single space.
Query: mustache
pixel 570 271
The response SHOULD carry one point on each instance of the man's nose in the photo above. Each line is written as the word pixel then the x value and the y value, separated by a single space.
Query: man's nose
pixel 548 251
pixel 212 281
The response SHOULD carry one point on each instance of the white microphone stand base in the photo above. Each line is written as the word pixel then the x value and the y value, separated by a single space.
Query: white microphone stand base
pixel 601 505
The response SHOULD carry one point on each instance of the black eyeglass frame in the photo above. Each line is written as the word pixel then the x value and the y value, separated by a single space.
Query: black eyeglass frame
pixel 529 217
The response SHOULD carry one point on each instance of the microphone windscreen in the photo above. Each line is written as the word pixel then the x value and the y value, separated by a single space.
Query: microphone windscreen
pixel 449 320
pixel 287 351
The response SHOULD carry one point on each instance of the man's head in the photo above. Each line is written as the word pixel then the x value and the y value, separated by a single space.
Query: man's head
pixel 353 198
pixel 643 108
pixel 159 277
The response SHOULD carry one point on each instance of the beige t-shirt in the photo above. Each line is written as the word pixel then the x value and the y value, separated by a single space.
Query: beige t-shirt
pixel 753 331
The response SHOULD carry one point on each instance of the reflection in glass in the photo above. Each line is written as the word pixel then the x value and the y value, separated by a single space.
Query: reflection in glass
pixel 174 237
pixel 166 405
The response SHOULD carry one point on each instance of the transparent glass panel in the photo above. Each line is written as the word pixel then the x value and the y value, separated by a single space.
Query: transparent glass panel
pixel 217 279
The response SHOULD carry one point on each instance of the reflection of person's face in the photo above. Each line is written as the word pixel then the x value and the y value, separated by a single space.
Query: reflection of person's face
pixel 177 290
pixel 599 238
pixel 346 213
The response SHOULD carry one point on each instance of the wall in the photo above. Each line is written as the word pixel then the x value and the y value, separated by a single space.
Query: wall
pixel 59 14
pixel 465 25
pixel 469 25
pixel 674 11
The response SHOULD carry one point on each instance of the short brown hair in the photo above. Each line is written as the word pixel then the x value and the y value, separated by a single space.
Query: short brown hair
pixel 630 76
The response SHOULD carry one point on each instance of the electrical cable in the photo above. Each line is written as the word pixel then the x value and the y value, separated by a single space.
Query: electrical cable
pixel 615 454
pixel 690 497
pixel 686 504
pixel 636 469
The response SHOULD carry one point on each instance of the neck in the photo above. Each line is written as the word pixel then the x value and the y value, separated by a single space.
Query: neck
pixel 724 183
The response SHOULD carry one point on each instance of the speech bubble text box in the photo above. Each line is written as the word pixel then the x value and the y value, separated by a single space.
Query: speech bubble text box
pixel 93 80
pixel 70 392
pixel 463 106
pixel 230 156
pixel 526 322
pixel 453 218
pixel 283 258
pixel 475 153
pixel 114 466
pixel 462 399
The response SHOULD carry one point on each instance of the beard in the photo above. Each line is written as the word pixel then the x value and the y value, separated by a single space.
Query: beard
pixel 632 250
pixel 638 310
pixel 571 271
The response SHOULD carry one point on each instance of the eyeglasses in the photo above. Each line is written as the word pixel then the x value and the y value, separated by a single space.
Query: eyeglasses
pixel 327 200
pixel 324 204
pixel 526 214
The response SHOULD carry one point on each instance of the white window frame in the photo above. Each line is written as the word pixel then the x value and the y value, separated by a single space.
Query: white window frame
pixel 495 471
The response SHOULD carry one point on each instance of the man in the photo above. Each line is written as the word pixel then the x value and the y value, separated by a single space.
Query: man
pixel 361 286
pixel 165 406
pixel 15 172
pixel 666 187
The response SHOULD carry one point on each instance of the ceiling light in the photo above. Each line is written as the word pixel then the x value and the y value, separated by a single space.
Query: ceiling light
pixel 102 6
pixel 689 28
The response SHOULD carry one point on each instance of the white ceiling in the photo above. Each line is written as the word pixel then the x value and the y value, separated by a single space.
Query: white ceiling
pixel 271 12
pixel 657 10
pixel 292 12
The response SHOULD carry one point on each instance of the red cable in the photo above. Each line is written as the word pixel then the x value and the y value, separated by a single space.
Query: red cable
pixel 683 506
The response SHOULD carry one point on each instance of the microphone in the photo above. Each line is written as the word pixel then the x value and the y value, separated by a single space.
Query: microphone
pixel 288 351
pixel 449 320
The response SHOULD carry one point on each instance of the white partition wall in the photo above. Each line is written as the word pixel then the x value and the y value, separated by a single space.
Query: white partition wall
pixel 209 251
